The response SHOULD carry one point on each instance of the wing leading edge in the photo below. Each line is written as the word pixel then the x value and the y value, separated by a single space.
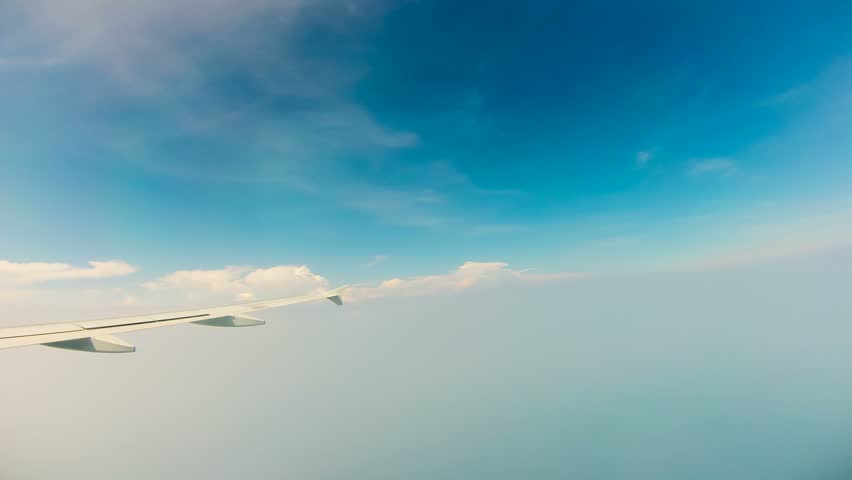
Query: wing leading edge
pixel 97 335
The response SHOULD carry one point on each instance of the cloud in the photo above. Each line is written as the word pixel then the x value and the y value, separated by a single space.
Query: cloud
pixel 377 260
pixel 792 94
pixel 123 36
pixel 184 289
pixel 178 63
pixel 285 279
pixel 11 295
pixel 496 228
pixel 12 273
pixel 247 283
pixel 241 283
pixel 172 48
pixel 716 165
pixel 245 85
pixel 468 275
pixel 643 157
pixel 764 241
pixel 411 207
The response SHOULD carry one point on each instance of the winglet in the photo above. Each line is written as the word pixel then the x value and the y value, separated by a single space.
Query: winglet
pixel 334 295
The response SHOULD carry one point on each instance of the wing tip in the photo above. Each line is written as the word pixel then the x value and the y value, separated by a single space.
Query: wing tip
pixel 334 295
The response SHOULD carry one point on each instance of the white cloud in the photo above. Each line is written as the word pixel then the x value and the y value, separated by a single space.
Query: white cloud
pixel 241 283
pixel 285 280
pixel 235 284
pixel 377 260
pixel 164 47
pixel 135 42
pixel 246 283
pixel 28 273
pixel 643 157
pixel 10 295
pixel 468 275
pixel 717 165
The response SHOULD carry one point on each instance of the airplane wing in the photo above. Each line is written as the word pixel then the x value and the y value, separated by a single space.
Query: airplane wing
pixel 97 335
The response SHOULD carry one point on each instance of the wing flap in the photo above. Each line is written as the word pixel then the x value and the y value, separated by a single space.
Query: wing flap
pixel 99 344
pixel 231 321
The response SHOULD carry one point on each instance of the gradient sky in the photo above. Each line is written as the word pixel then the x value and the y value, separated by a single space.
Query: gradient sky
pixel 589 168
pixel 431 133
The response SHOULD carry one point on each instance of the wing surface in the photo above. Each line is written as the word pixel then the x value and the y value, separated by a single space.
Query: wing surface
pixel 97 335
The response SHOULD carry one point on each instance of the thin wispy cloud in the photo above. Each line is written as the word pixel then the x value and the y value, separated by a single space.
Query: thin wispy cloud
pixel 715 166
pixel 797 92
pixel 151 53
pixel 643 157
pixel 293 121
pixel 497 228
pixel 409 208
pixel 139 45
pixel 378 259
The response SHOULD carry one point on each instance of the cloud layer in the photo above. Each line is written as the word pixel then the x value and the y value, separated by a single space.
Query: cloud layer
pixel 247 283
pixel 243 283
pixel 12 273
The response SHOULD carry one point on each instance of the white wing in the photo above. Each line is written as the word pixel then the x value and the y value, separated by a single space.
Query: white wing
pixel 96 335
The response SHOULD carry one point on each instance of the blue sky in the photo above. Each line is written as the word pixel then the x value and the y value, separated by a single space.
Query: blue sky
pixel 429 133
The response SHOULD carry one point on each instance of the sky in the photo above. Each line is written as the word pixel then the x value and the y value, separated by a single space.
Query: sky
pixel 586 209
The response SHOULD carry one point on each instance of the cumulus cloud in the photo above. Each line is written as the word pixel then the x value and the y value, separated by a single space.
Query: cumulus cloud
pixel 248 283
pixel 643 157
pixel 242 283
pixel 468 275
pixel 28 273
pixel 185 289
pixel 717 165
